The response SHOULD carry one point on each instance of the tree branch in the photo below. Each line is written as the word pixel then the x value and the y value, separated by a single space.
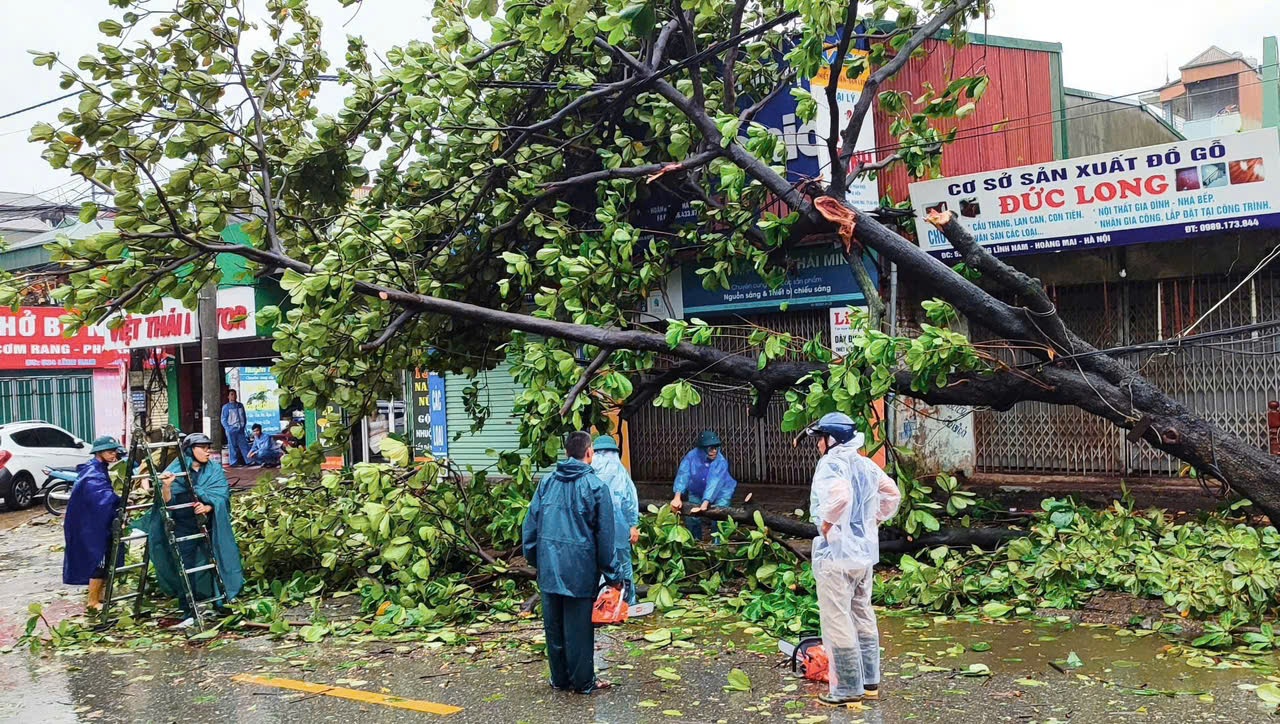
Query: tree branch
pixel 390 331
pixel 601 357
pixel 838 174
pixel 729 90
pixel 886 71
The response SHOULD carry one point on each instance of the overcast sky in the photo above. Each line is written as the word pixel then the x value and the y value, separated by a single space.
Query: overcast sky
pixel 1109 46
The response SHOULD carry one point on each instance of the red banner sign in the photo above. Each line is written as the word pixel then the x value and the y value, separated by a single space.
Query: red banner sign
pixel 33 339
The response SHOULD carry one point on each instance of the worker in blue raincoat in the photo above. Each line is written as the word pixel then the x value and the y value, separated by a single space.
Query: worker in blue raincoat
pixel 208 488
pixel 87 527
pixel 626 509
pixel 568 537
pixel 703 480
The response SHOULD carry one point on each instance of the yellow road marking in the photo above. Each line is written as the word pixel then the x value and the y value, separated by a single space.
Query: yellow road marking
pixel 368 697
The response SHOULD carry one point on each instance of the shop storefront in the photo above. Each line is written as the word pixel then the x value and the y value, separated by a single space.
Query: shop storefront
pixel 76 382
pixel 1145 245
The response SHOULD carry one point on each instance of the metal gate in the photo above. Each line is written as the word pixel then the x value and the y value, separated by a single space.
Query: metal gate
pixel 1228 382
pixel 759 452
pixel 64 400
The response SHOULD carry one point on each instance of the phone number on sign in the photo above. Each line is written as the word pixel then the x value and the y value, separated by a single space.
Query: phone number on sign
pixel 1222 225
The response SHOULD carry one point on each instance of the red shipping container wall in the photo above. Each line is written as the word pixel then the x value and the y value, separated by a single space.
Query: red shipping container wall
pixel 1021 96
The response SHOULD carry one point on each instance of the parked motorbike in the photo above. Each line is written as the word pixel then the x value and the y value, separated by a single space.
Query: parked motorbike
pixel 56 490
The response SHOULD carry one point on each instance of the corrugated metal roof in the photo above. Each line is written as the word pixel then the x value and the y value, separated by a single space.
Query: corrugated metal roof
pixel 1021 94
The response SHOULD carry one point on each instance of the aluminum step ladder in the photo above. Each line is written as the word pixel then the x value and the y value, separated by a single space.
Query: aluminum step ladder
pixel 123 535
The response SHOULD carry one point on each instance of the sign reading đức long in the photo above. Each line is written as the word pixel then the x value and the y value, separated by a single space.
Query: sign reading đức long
pixel 1157 193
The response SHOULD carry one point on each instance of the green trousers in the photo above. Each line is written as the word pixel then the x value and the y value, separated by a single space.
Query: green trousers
pixel 571 642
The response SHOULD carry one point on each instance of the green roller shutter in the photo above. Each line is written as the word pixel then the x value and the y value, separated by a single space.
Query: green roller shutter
pixel 64 400
pixel 501 431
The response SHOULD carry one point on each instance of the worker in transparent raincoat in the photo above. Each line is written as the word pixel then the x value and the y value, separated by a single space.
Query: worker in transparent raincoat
pixel 626 509
pixel 850 498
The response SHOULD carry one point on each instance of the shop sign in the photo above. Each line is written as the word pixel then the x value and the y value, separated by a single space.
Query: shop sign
pixel 33 339
pixel 174 324
pixel 842 329
pixel 806 154
pixel 427 407
pixel 260 395
pixel 815 278
pixel 1157 193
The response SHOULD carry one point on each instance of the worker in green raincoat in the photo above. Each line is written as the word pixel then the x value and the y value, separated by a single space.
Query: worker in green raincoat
pixel 207 487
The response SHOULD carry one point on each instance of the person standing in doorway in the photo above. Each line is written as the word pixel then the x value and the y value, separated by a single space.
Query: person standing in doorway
pixel 703 480
pixel 234 419
pixel 850 498
pixel 91 510
pixel 568 536
pixel 608 465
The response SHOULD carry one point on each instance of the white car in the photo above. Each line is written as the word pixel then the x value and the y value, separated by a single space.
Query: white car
pixel 26 448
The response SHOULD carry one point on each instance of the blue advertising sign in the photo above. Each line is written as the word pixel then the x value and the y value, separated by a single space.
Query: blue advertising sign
pixel 807 153
pixel 427 402
pixel 818 277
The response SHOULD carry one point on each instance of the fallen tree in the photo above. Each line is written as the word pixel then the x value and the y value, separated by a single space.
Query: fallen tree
pixel 509 210
pixel 891 540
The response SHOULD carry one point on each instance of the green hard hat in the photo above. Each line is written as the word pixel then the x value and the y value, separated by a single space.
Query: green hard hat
pixel 105 443
pixel 709 438
pixel 605 442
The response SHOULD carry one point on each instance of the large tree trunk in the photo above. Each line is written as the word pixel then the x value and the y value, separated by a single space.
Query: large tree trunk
pixel 891 540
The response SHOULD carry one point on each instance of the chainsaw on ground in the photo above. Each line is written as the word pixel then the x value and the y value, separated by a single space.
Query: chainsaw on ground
pixel 808 658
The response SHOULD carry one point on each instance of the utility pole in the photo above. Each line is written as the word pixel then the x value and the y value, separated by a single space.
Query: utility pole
pixel 210 370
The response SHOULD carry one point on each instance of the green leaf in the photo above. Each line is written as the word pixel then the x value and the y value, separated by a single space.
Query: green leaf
pixel 662 635
pixel 996 610
pixel 981 646
pixel 1270 693
pixel 1073 660
pixel 738 681
pixel 88 213
pixel 666 674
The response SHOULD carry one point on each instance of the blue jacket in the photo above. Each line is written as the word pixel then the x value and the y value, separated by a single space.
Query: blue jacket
pixel 234 416
pixel 706 479
pixel 87 528
pixel 261 447
pixel 569 532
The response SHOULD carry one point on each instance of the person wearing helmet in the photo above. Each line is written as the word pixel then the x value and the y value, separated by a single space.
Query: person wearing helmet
pixel 703 479
pixel 205 485
pixel 87 528
pixel 607 463
pixel 849 499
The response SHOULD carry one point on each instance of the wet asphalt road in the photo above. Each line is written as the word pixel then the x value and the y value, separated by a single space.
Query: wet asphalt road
pixel 498 678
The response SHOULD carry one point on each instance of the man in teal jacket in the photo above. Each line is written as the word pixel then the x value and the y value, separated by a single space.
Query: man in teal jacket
pixel 569 538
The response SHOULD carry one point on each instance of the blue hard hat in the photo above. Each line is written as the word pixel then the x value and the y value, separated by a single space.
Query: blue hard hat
pixel 105 443
pixel 605 442
pixel 836 425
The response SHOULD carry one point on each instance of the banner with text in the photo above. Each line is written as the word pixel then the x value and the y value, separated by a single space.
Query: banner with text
pixel 816 277
pixel 175 324
pixel 1157 193
pixel 32 339
pixel 260 395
